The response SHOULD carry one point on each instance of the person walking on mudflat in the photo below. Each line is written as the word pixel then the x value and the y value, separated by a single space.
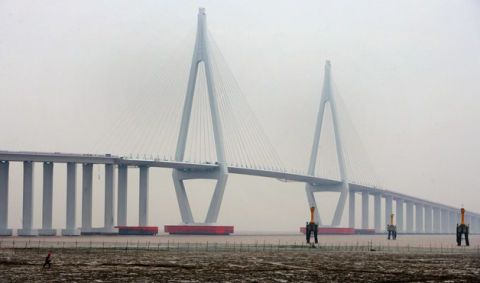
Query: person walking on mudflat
pixel 48 260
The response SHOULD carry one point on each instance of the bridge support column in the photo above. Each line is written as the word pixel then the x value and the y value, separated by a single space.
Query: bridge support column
pixel 388 210
pixel 365 210
pixel 71 229
pixel 428 219
pixel 109 197
pixel 47 201
pixel 351 209
pixel 453 222
pixel 122 195
pixel 409 217
pixel 419 218
pixel 143 197
pixel 4 170
pixel 436 220
pixel 27 211
pixel 87 184
pixel 400 215
pixel 377 205
pixel 444 223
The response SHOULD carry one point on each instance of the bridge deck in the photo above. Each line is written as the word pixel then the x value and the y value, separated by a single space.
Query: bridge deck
pixel 58 157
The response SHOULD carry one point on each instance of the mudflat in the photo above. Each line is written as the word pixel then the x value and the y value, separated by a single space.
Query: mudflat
pixel 105 265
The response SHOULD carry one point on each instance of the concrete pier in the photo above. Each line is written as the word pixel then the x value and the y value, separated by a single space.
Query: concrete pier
pixel 469 220
pixel 109 222
pixel 4 170
pixel 444 223
pixel 399 215
pixel 143 197
pixel 419 218
pixel 377 210
pixel 351 209
pixel 365 210
pixel 436 220
pixel 87 183
pixel 388 210
pixel 428 219
pixel 47 201
pixel 452 224
pixel 122 195
pixel 71 229
pixel 27 210
pixel 409 217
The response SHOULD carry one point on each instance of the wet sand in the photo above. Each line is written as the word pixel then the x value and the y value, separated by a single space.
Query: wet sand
pixel 303 265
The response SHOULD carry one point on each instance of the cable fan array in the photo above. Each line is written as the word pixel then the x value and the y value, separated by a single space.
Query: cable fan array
pixel 148 127
pixel 359 169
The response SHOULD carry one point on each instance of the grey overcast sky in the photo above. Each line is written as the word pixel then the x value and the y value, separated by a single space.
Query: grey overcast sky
pixel 407 72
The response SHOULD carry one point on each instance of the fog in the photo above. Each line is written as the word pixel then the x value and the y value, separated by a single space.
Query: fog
pixel 407 73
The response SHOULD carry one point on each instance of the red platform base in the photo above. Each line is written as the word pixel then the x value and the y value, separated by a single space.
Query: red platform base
pixel 341 231
pixel 137 230
pixel 198 229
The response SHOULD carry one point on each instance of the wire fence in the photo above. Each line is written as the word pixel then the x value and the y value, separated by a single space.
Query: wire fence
pixel 180 246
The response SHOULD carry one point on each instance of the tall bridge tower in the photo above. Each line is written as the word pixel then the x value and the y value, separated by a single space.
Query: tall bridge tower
pixel 200 56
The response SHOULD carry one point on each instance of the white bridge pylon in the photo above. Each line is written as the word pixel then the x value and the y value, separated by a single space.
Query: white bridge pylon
pixel 200 55
pixel 342 188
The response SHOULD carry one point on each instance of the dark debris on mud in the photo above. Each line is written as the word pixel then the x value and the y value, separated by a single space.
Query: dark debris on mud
pixel 99 265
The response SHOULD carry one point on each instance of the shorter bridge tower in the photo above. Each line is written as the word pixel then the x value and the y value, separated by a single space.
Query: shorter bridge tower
pixel 342 187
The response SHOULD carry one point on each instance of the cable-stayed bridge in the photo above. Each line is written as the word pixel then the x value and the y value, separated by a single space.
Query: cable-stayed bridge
pixel 218 135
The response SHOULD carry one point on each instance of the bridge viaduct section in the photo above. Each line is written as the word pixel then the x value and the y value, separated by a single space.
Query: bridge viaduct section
pixel 422 216
pixel 413 215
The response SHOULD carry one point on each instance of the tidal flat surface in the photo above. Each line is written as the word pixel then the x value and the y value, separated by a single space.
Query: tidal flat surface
pixel 303 265
pixel 414 241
